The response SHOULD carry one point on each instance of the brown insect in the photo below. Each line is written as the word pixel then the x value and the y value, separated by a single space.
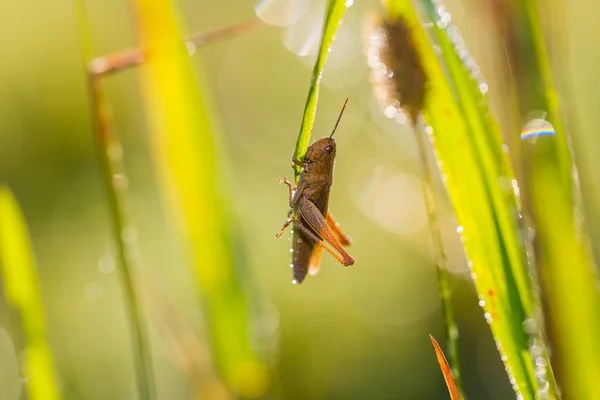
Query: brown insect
pixel 314 226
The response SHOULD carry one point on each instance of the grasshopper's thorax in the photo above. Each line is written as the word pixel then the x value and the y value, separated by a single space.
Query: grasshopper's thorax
pixel 317 175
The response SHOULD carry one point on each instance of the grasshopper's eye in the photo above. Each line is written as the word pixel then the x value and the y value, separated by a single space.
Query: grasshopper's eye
pixel 329 148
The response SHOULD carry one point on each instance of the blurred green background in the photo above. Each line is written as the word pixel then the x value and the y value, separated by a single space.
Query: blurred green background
pixel 348 333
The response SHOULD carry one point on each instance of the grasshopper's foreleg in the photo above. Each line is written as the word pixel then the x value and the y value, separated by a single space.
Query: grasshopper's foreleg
pixel 290 186
pixel 319 224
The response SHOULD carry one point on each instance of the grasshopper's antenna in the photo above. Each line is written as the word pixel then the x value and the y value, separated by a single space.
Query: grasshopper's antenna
pixel 340 117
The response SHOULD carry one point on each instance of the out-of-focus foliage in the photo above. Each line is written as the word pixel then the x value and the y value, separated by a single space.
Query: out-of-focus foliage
pixel 359 332
pixel 19 276
pixel 187 161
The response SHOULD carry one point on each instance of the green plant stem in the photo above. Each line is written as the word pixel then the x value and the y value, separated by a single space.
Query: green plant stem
pixel 441 260
pixel 333 18
pixel 108 150
pixel 109 156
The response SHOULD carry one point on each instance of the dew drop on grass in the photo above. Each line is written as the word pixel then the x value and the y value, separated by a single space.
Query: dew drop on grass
pixel 294 282
pixel 536 128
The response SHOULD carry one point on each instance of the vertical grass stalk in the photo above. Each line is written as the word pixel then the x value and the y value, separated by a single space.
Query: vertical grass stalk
pixel 441 261
pixel 109 155
pixel 19 276
pixel 333 18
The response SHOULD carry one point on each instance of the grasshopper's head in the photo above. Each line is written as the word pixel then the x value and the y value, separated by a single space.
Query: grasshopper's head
pixel 323 150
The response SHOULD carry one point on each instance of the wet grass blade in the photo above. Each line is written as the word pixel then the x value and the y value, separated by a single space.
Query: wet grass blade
pixel 183 142
pixel 479 180
pixel 19 276
pixel 453 388
pixel 568 276
pixel 333 17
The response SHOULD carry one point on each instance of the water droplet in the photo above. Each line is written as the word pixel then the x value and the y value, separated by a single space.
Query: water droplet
pixel 504 358
pixel 291 265
pixel 390 111
pixel 349 3
pixel 481 303
pixel 298 241
pixel 294 282
pixel 530 326
pixel 483 87
pixel 291 250
pixel 191 48
pixel 540 361
pixel 459 229
pixel 401 118
pixel 536 128
pixel 488 317
pixel 120 181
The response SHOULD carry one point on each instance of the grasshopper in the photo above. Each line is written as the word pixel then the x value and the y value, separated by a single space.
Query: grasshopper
pixel 314 226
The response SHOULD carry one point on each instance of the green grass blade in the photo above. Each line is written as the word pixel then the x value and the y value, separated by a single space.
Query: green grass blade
pixel 565 267
pixel 183 141
pixel 19 276
pixel 569 285
pixel 479 180
pixel 333 18
pixel 110 163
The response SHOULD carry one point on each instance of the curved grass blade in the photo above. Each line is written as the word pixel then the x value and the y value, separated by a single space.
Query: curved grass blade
pixel 333 17
pixel 183 142
pixel 453 388
pixel 19 276
pixel 565 266
pixel 479 180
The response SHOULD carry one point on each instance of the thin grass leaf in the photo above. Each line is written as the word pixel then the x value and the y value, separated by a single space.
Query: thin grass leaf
pixel 400 86
pixel 333 18
pixel 453 389
pixel 19 276
pixel 109 158
pixel 183 142
pixel 564 263
pixel 479 180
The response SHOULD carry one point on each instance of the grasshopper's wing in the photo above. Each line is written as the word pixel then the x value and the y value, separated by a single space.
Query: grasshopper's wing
pixel 315 260
pixel 303 248
pixel 339 234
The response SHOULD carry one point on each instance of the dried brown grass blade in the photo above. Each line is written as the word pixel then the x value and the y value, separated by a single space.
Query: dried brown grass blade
pixel 455 393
